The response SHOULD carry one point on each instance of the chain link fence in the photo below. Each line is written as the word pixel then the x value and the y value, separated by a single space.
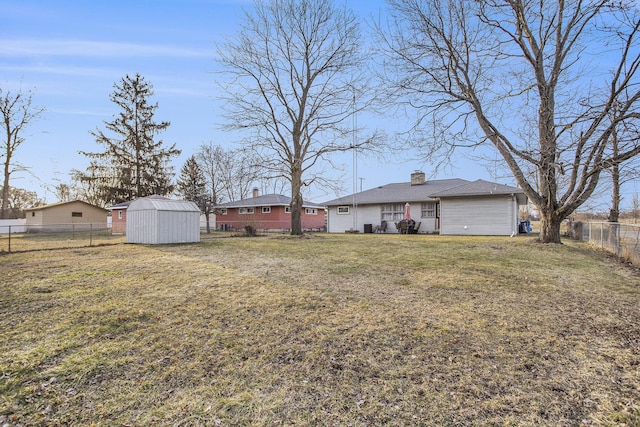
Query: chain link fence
pixel 21 238
pixel 620 239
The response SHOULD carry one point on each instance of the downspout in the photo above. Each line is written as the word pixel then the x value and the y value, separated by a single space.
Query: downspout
pixel 514 216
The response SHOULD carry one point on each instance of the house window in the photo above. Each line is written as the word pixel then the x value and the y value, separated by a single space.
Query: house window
pixel 246 211
pixel 222 211
pixel 119 214
pixel 266 209
pixel 76 214
pixel 311 211
pixel 392 212
pixel 343 210
pixel 287 209
pixel 428 210
pixel 33 214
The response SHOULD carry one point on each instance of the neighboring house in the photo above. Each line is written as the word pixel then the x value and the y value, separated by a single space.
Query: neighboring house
pixel 270 212
pixel 449 206
pixel 119 217
pixel 158 220
pixel 66 214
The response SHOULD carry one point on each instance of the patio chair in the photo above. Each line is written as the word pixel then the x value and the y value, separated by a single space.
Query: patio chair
pixel 402 227
pixel 415 228
pixel 382 228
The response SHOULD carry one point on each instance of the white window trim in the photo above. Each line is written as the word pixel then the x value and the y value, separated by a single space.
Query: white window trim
pixel 343 210
pixel 223 211
pixel 246 211
pixel 120 214
pixel 425 212
pixel 266 209
pixel 287 209
pixel 311 211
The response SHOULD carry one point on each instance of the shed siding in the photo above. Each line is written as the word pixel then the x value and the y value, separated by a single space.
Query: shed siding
pixel 493 216
pixel 177 227
pixel 158 221
pixel 142 227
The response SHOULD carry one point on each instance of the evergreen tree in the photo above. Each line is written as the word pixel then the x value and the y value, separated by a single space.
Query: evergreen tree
pixel 134 164
pixel 192 185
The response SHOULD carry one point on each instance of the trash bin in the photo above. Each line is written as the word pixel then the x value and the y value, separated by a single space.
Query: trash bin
pixel 368 228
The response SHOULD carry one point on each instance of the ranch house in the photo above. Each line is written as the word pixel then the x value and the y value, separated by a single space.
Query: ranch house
pixel 269 212
pixel 448 206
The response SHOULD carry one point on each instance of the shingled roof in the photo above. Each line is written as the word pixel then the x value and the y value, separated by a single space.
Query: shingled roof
pixel 266 200
pixel 398 193
pixel 430 190
pixel 477 188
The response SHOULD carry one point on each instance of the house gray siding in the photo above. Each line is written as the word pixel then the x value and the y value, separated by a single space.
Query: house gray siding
pixel 366 214
pixel 493 216
pixel 372 214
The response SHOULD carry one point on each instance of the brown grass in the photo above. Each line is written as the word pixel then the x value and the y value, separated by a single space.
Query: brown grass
pixel 358 330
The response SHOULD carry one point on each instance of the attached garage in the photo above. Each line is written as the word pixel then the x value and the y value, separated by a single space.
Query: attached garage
pixel 480 208
pixel 159 220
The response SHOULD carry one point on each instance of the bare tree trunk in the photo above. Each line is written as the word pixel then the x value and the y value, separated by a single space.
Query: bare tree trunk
pixel 614 212
pixel 5 193
pixel 207 215
pixel 296 203
pixel 549 227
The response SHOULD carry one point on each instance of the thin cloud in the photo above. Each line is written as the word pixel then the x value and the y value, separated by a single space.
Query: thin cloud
pixel 95 49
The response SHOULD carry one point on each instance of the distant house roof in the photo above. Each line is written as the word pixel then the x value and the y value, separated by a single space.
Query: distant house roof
pixel 123 205
pixel 398 192
pixel 266 200
pixel 50 205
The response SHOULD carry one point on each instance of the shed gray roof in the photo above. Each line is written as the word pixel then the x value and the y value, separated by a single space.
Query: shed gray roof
pixel 266 200
pixel 162 204
pixel 399 193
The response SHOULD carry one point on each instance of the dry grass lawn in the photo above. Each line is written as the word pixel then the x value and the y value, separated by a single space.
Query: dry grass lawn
pixel 327 330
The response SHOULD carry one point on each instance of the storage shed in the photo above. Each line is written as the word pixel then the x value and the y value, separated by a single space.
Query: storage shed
pixel 157 220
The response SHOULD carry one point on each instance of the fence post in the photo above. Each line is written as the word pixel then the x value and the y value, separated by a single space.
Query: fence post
pixel 9 239
pixel 91 234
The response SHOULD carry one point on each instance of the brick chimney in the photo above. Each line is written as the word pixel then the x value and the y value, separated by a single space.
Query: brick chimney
pixel 255 191
pixel 417 178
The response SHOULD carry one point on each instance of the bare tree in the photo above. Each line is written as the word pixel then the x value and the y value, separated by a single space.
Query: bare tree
pixel 17 113
pixel 296 66
pixel 526 78
pixel 19 200
pixel 64 192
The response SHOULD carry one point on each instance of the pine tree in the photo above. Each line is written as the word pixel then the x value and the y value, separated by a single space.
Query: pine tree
pixel 134 164
pixel 192 185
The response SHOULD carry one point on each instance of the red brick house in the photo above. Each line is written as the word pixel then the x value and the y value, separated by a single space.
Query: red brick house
pixel 270 212
pixel 119 217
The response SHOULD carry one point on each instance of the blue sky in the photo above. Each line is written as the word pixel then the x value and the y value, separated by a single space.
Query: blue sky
pixel 72 52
